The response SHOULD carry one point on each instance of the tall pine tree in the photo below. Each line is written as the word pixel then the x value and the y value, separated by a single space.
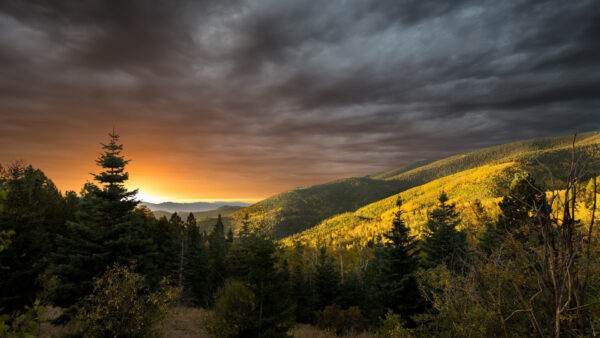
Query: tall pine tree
pixel 33 211
pixel 196 265
pixel 327 281
pixel 104 232
pixel 217 252
pixel 397 288
pixel 519 212
pixel 443 243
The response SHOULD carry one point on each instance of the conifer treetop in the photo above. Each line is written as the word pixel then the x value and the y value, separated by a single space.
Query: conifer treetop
pixel 112 162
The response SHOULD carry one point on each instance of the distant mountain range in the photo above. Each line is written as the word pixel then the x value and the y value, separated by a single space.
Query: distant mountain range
pixel 191 207
pixel 200 215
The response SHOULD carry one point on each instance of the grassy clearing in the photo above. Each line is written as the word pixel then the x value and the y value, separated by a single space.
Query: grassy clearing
pixel 187 322
pixel 309 331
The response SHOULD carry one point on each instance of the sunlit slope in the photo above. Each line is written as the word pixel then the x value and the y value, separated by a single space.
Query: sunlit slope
pixel 374 219
pixel 521 151
pixel 486 183
pixel 295 210
pixel 299 209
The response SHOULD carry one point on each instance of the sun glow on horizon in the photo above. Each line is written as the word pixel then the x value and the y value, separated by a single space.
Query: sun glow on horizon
pixel 150 198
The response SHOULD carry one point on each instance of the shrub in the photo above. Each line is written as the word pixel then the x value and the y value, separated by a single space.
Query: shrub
pixel 233 312
pixel 122 306
pixel 334 318
pixel 391 327
pixel 22 325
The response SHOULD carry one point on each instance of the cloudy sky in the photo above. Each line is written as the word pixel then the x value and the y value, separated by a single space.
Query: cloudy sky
pixel 244 99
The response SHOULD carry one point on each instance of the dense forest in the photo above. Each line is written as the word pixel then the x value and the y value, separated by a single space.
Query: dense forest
pixel 500 242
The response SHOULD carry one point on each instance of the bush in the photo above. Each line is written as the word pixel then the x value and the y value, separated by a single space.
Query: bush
pixel 22 325
pixel 233 312
pixel 121 306
pixel 391 327
pixel 334 318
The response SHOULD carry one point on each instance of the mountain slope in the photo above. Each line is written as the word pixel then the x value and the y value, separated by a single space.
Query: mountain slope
pixel 366 223
pixel 486 183
pixel 299 209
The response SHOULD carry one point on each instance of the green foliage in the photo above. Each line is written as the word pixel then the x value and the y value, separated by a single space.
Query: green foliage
pixel 351 291
pixel 327 281
pixel 519 212
pixel 5 239
pixel 373 220
pixel 106 230
pixel 480 175
pixel 256 257
pixel 33 212
pixel 19 325
pixel 341 322
pixel 257 298
pixel 535 275
pixel 122 306
pixel 22 325
pixel 391 327
pixel 301 294
pixel 196 265
pixel 217 253
pixel 234 312
pixel 296 210
pixel 391 282
pixel 443 243
pixel 166 240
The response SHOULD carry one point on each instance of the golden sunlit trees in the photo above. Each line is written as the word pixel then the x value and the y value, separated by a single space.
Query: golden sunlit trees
pixel 540 278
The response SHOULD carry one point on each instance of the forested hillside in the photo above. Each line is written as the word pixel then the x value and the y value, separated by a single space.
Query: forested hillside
pixel 372 220
pixel 295 210
pixel 484 184
pixel 299 209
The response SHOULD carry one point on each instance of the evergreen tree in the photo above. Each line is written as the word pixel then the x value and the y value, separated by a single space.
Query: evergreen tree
pixel 518 215
pixel 327 281
pixel 351 291
pixel 178 227
pixel 104 232
pixel 195 265
pixel 33 211
pixel 400 292
pixel 165 238
pixel 237 254
pixel 443 243
pixel 301 295
pixel 217 252
pixel 252 260
pixel 190 221
pixel 245 230
pixel 229 237
pixel 274 314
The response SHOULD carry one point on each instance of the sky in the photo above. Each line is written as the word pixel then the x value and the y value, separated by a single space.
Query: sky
pixel 244 99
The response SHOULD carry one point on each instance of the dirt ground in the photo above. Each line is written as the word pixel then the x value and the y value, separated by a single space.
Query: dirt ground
pixel 309 331
pixel 186 322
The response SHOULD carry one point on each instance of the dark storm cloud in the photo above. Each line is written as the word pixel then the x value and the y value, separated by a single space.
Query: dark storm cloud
pixel 302 88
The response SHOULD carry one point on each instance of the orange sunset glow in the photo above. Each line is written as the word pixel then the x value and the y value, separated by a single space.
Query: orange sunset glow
pixel 218 103
pixel 160 174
